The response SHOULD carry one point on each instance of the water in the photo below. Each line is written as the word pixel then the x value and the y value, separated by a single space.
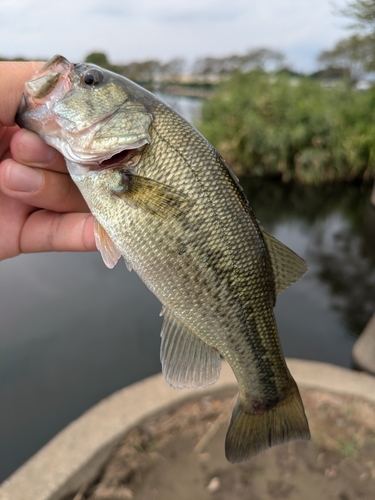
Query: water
pixel 72 331
pixel 188 107
pixel 333 228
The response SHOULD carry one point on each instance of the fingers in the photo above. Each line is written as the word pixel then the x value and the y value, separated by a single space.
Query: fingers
pixel 46 231
pixel 13 215
pixel 48 185
pixel 23 230
pixel 40 188
pixel 29 149
pixel 6 134
pixel 13 76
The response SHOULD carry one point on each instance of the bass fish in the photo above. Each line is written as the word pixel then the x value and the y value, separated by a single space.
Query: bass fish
pixel 164 199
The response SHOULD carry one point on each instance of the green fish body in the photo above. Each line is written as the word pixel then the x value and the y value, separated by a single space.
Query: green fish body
pixel 164 199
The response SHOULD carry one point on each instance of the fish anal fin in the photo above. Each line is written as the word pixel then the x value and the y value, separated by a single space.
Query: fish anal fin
pixel 152 196
pixel 250 433
pixel 105 245
pixel 288 267
pixel 187 361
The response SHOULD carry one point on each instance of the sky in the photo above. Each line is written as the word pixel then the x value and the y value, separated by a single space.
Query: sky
pixel 129 30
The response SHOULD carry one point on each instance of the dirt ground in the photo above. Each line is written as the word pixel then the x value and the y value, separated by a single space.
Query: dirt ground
pixel 180 456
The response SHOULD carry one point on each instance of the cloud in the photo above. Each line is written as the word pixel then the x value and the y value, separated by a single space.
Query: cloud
pixel 200 16
pixel 204 12
pixel 110 8
pixel 109 11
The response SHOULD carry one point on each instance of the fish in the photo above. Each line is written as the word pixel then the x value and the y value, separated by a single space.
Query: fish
pixel 164 199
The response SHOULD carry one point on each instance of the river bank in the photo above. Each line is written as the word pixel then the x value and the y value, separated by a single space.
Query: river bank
pixel 174 445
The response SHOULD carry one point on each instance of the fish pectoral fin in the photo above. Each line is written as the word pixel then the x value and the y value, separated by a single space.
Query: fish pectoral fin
pixel 187 361
pixel 250 433
pixel 153 197
pixel 287 265
pixel 105 245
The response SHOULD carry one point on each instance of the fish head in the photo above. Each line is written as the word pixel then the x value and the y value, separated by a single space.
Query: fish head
pixel 95 118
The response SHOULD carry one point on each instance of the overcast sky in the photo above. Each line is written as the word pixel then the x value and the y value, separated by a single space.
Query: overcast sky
pixel 128 30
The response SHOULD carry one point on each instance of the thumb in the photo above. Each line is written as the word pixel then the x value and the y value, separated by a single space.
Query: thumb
pixel 13 75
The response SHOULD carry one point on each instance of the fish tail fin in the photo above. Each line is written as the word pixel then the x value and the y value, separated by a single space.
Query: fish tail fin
pixel 251 433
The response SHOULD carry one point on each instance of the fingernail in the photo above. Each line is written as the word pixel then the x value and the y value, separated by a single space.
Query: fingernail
pixel 23 179
pixel 34 151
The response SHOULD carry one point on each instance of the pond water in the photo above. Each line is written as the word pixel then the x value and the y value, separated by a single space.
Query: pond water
pixel 73 331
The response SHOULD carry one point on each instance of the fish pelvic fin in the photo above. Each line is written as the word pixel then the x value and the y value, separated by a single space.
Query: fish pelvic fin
pixel 250 433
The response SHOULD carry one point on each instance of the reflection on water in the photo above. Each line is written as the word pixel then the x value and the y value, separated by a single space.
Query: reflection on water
pixel 340 258
pixel 338 223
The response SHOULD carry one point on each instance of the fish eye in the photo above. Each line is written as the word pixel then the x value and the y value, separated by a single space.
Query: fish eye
pixel 92 77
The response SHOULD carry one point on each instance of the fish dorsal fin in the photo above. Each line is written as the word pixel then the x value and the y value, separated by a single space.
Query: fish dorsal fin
pixel 187 361
pixel 287 265
pixel 105 245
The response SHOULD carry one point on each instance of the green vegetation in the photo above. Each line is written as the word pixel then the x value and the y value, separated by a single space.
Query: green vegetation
pixel 296 129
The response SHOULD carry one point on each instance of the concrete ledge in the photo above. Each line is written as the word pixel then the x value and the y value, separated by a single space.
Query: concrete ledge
pixel 77 453
pixel 364 348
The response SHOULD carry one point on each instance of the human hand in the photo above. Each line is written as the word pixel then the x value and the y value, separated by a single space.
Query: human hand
pixel 41 209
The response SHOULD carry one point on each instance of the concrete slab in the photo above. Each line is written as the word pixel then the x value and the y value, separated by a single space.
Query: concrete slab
pixel 76 454
pixel 364 348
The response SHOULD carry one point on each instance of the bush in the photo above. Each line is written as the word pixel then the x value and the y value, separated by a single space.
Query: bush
pixel 267 125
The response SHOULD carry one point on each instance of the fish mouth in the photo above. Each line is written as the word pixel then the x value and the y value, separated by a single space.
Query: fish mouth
pixel 127 157
pixel 118 158
pixel 49 84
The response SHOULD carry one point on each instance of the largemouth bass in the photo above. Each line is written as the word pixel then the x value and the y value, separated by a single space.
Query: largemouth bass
pixel 164 199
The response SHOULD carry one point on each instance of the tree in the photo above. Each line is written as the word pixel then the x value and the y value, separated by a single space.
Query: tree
pixel 263 59
pixel 363 14
pixel 98 58
pixel 258 59
pixel 356 53
pixel 142 72
pixel 101 59
pixel 174 68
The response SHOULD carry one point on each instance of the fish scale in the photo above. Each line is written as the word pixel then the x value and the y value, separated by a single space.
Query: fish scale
pixel 174 210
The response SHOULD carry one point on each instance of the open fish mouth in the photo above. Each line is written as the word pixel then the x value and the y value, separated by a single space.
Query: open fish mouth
pixel 129 157
pixel 117 159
